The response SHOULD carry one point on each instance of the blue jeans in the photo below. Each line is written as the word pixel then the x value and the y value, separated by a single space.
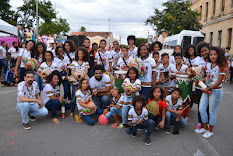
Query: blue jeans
pixel 101 101
pixel 114 111
pixel 66 88
pixel 33 109
pixel 125 110
pixel 22 73
pixel 3 64
pixel 145 91
pixel 170 115
pixel 148 124
pixel 198 94
pixel 39 81
pixel 88 118
pixel 157 119
pixel 212 101
pixel 74 87
pixel 54 105
pixel 90 73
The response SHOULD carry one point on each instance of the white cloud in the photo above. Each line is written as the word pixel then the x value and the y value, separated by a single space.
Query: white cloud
pixel 126 16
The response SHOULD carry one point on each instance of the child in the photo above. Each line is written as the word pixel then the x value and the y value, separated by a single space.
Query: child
pixel 177 49
pixel 132 48
pixel 156 58
pixel 148 70
pixel 48 64
pixel 50 96
pixel 80 63
pixel 157 94
pixel 83 96
pixel 156 46
pixel 70 49
pixel 116 54
pixel 177 68
pixel 164 69
pixel 122 63
pixel 138 116
pixel 115 107
pixel 130 92
pixel 104 57
pixel 174 110
pixel 215 72
pixel 9 77
pixel 190 56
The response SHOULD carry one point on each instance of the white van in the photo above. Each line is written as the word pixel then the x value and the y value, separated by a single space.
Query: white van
pixel 184 39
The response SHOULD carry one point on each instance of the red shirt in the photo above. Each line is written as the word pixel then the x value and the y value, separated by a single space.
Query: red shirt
pixel 162 104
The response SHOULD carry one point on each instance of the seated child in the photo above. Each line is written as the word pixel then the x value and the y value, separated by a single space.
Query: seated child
pixel 174 110
pixel 9 79
pixel 138 118
pixel 83 97
pixel 115 108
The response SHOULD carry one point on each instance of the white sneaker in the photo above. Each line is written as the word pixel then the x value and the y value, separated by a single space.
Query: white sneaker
pixel 207 134
pixel 200 131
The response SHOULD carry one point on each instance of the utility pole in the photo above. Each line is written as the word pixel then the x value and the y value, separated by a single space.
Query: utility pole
pixel 37 20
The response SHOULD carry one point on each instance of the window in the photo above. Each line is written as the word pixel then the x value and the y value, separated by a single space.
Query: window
pixel 229 37
pixel 219 38
pixel 214 6
pixel 206 6
pixel 223 5
pixel 211 38
pixel 201 11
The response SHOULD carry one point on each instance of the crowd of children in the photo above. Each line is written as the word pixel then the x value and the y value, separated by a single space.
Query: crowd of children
pixel 155 84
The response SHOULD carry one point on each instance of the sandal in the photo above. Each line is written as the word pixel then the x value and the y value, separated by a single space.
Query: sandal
pixel 55 120
pixel 71 115
pixel 115 125
pixel 78 119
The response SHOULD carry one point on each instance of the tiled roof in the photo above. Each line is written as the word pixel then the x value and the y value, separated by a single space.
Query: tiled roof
pixel 90 34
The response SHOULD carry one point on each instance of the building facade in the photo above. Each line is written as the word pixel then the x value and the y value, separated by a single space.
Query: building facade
pixel 217 20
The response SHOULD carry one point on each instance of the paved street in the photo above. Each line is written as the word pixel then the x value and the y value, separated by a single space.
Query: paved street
pixel 72 138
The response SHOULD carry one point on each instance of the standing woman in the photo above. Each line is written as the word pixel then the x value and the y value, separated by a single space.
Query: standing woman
pixel 148 70
pixel 215 72
pixel 27 53
pixel 40 57
pixel 190 56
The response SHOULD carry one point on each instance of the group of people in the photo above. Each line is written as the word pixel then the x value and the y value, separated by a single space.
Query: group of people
pixel 155 81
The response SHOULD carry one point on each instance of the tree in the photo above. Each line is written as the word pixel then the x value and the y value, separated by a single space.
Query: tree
pixel 6 13
pixel 82 29
pixel 140 41
pixel 175 17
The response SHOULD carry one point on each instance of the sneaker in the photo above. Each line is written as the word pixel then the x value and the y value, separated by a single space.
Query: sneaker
pixel 198 126
pixel 134 135
pixel 26 126
pixel 200 131
pixel 32 118
pixel 207 134
pixel 167 130
pixel 147 141
pixel 120 126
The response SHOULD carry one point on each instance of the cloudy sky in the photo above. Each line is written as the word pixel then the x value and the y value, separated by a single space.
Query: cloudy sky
pixel 126 16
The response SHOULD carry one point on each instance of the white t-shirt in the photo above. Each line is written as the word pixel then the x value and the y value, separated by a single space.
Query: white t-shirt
pixel 173 72
pixel 62 64
pixel 120 102
pixel 115 57
pixel 77 66
pixel 194 62
pixel 108 42
pixel 129 98
pixel 24 53
pixel 79 95
pixel 212 74
pixel 132 115
pixel 13 52
pixel 49 91
pixel 106 58
pixel 3 52
pixel 44 65
pixel 27 92
pixel 121 64
pixel 163 70
pixel 96 85
pixel 134 52
pixel 172 106
pixel 72 55
pixel 201 62
pixel 148 66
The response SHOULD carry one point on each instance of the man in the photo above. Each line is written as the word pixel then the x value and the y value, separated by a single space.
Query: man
pixel 34 35
pixel 13 52
pixel 91 53
pixel 116 54
pixel 3 57
pixel 29 35
pixel 20 34
pixel 108 42
pixel 131 39
pixel 100 85
pixel 29 103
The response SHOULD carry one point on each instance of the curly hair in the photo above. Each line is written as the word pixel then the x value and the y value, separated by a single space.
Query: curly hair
pixel 131 37
pixel 153 45
pixel 139 49
pixel 72 45
pixel 151 96
pixel 85 53
pixel 221 60
pixel 201 45
pixel 50 77
pixel 186 53
pixel 139 98
pixel 37 53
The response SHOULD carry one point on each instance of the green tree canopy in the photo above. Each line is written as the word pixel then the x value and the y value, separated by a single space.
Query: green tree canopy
pixel 175 17
pixel 83 29
pixel 6 13
pixel 140 41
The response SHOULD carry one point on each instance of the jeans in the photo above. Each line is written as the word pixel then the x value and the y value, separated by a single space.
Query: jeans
pixel 101 101
pixel 157 119
pixel 88 118
pixel 22 73
pixel 212 101
pixel 74 87
pixel 3 64
pixel 145 91
pixel 33 109
pixel 54 105
pixel 170 115
pixel 39 81
pixel 125 110
pixel 114 111
pixel 66 88
pixel 148 124
pixel 198 94
pixel 90 73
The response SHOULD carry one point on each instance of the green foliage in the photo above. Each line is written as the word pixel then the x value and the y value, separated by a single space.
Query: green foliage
pixel 175 17
pixel 6 13
pixel 83 29
pixel 140 41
